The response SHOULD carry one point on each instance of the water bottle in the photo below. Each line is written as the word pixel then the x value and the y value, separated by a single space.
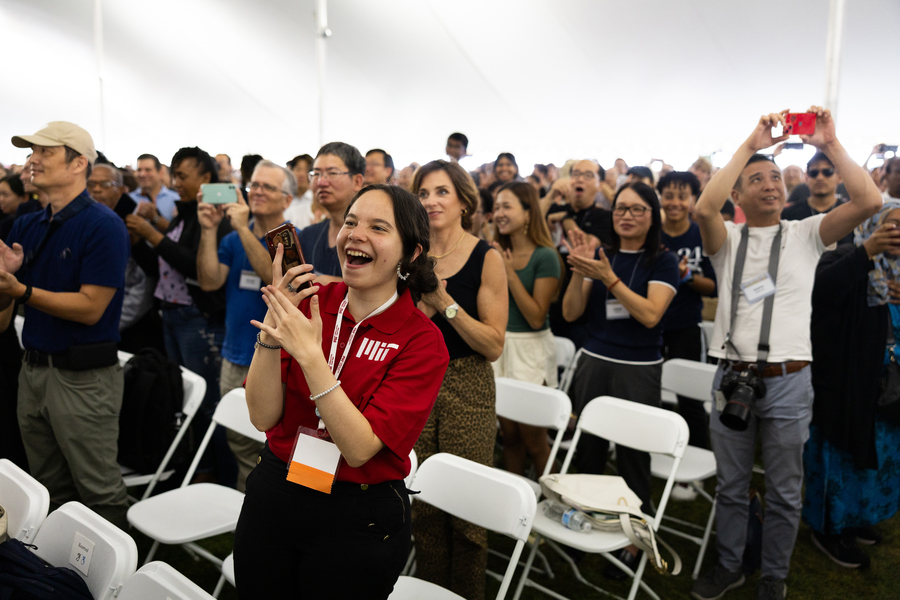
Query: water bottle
pixel 567 515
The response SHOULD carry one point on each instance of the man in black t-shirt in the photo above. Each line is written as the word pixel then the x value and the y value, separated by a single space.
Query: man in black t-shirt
pixel 822 181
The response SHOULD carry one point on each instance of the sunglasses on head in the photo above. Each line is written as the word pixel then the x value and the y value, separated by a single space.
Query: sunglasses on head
pixel 813 173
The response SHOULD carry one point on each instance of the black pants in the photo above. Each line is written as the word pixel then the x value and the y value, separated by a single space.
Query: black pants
pixel 685 343
pixel 294 542
pixel 639 383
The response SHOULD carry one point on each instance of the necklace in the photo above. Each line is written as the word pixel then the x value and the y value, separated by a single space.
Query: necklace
pixel 451 249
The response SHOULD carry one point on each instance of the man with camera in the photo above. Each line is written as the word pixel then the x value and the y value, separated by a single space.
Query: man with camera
pixel 765 271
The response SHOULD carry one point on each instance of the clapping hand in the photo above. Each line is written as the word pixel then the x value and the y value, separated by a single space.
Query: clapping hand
pixel 11 258
pixel 581 258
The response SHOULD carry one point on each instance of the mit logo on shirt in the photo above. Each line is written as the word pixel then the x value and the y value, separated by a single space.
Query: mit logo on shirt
pixel 375 350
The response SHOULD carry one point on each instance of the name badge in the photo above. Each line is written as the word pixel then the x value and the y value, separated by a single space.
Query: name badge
pixel 314 461
pixel 615 311
pixel 250 281
pixel 758 288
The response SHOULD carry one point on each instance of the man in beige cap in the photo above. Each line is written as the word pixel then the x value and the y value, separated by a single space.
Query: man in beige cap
pixel 66 265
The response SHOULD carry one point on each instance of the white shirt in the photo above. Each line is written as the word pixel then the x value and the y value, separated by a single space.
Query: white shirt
pixel 299 213
pixel 801 247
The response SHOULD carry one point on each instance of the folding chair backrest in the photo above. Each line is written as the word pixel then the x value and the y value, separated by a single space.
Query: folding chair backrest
pixel 159 581
pixel 19 324
pixel 110 553
pixel 689 378
pixel 532 404
pixel 413 467
pixel 194 390
pixel 565 351
pixel 25 500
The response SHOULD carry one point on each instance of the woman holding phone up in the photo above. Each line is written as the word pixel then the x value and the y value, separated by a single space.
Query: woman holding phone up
pixel 342 381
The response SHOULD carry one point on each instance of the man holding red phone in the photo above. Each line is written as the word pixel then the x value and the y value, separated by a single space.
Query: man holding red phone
pixel 242 265
pixel 765 272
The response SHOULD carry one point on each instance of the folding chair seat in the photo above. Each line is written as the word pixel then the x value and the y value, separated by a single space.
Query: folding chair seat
pixel 694 380
pixel 630 424
pixel 25 499
pixel 160 581
pixel 109 555
pixel 484 496
pixel 193 512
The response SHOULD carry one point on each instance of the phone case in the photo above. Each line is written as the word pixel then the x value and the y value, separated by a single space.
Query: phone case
pixel 800 123
pixel 219 193
pixel 286 235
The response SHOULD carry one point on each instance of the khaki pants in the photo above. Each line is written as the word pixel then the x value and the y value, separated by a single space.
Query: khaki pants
pixel 245 450
pixel 70 429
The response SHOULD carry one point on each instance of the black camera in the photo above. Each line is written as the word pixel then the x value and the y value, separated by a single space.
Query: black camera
pixel 739 388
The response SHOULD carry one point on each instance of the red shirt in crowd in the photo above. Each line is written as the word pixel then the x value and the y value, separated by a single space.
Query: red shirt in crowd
pixel 393 372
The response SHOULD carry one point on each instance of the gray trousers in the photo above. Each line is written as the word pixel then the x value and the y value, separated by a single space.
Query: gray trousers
pixel 782 420
pixel 70 428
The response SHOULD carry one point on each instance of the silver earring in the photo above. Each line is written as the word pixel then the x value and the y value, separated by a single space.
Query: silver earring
pixel 401 275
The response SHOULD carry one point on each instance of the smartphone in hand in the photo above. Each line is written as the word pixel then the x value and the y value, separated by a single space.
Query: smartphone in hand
pixel 800 123
pixel 286 235
pixel 219 193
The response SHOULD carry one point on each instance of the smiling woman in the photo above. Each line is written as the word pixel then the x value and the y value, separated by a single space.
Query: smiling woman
pixel 353 416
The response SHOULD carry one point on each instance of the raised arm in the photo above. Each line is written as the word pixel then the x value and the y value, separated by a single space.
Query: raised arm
pixel 210 272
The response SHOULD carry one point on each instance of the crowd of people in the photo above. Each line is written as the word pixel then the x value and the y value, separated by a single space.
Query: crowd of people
pixel 430 281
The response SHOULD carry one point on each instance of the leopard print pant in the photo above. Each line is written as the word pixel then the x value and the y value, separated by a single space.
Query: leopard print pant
pixel 451 552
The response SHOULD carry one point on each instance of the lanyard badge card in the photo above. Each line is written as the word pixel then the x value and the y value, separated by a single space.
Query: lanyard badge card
pixel 314 460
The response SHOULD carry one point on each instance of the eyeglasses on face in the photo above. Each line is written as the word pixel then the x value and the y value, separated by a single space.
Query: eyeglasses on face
pixel 827 172
pixel 254 186
pixel 582 175
pixel 329 175
pixel 101 184
pixel 636 211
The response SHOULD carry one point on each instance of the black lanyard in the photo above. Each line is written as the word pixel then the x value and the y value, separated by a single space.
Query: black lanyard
pixel 56 221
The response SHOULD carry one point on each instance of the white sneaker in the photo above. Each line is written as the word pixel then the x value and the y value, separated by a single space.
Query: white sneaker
pixel 682 492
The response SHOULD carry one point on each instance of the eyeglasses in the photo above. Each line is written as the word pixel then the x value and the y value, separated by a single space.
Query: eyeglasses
pixel 329 175
pixel 813 173
pixel 582 175
pixel 636 211
pixel 101 184
pixel 254 186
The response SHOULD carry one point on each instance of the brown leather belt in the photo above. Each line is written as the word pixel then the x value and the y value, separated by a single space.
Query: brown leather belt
pixel 772 369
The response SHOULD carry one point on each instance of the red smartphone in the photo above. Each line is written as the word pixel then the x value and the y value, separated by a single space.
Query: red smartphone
pixel 800 123
pixel 286 235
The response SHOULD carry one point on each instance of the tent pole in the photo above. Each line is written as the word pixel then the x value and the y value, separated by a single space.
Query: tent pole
pixel 833 47
pixel 98 50
pixel 322 33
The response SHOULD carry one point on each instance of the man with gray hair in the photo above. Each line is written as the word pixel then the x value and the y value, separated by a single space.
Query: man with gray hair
pixel 241 263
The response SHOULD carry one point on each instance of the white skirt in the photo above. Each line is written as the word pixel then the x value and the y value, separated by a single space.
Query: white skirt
pixel 528 356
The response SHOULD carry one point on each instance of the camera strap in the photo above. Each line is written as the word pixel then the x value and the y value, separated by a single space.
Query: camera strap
pixel 768 302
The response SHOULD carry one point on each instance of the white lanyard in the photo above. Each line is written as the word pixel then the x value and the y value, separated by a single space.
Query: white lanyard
pixel 337 333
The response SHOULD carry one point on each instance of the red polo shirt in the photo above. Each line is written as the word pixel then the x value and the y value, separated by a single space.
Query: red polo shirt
pixel 393 372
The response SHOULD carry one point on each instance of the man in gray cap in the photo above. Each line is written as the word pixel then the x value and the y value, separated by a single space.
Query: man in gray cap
pixel 66 265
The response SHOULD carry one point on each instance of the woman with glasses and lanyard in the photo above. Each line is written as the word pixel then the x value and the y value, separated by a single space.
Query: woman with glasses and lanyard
pixel 343 387
pixel 625 293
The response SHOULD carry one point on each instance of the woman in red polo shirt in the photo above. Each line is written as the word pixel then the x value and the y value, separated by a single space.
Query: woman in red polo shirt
pixel 326 513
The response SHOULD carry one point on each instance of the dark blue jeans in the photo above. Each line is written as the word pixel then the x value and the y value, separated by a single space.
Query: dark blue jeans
pixel 195 343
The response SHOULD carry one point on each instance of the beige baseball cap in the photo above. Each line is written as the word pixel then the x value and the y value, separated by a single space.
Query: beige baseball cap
pixel 60 133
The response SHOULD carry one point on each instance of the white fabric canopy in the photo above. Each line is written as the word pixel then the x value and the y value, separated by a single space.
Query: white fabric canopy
pixel 545 80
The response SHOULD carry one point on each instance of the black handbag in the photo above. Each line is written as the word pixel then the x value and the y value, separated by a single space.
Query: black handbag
pixel 889 401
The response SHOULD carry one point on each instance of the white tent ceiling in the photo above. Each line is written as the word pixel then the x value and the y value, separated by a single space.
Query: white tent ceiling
pixel 546 80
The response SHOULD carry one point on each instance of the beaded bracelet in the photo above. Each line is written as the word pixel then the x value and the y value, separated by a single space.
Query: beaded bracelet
pixel 326 392
pixel 260 343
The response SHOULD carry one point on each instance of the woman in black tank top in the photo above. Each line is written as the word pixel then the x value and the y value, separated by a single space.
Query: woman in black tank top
pixel 471 311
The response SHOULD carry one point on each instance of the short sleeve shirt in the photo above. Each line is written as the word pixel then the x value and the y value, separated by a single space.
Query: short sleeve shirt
pixel 242 303
pixel 394 369
pixel 686 309
pixel 91 247
pixel 627 340
pixel 314 242
pixel 544 262
pixel 801 248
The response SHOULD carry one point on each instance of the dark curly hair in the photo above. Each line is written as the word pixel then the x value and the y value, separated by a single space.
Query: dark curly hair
pixel 412 223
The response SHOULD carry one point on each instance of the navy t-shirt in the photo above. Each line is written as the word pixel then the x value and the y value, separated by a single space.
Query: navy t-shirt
pixel 627 340
pixel 314 242
pixel 686 309
pixel 91 247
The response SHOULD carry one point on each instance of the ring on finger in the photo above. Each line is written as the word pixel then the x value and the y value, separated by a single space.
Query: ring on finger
pixel 290 288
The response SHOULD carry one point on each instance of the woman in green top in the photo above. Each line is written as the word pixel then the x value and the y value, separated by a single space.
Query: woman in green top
pixel 533 270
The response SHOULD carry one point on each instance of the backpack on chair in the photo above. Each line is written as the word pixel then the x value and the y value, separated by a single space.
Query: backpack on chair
pixel 151 410
pixel 24 576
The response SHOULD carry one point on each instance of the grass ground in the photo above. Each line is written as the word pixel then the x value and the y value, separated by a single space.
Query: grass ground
pixel 812 574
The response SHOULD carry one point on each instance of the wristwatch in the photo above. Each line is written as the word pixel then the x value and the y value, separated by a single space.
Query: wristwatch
pixel 450 311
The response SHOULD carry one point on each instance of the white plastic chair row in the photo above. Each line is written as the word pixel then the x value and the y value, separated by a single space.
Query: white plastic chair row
pixel 26 501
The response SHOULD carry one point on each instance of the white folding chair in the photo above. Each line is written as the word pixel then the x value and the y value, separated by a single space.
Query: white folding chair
pixel 565 352
pixel 706 331
pixel 160 581
pixel 694 380
pixel 108 554
pixel 26 501
pixel 566 380
pixel 630 424
pixel 194 391
pixel 484 496
pixel 193 512
pixel 19 323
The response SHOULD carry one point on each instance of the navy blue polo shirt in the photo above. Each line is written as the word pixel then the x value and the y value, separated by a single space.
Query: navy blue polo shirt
pixel 91 247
